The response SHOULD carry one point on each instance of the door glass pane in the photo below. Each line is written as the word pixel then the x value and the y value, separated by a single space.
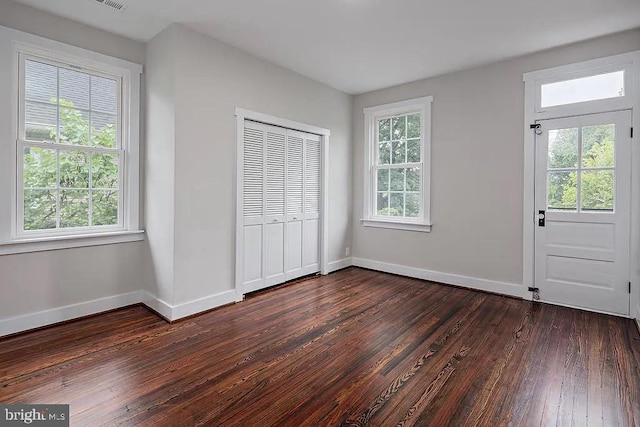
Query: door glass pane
pixel 592 88
pixel 562 190
pixel 597 190
pixel 598 146
pixel 563 148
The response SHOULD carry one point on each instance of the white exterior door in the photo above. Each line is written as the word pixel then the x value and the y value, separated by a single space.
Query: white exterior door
pixel 582 202
pixel 281 205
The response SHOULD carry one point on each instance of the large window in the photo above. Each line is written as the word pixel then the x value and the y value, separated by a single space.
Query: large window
pixel 71 148
pixel 76 149
pixel 397 165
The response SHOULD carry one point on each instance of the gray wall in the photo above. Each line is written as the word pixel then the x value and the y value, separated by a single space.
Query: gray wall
pixel 210 80
pixel 40 281
pixel 477 158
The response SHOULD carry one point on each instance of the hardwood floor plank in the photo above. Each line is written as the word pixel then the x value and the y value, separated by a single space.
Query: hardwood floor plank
pixel 356 348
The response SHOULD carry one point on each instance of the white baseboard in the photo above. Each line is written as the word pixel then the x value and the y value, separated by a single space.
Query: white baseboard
pixel 339 265
pixel 637 316
pixel 511 289
pixel 62 314
pixel 179 311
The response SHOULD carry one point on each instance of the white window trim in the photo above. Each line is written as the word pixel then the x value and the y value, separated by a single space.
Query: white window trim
pixel 372 114
pixel 630 62
pixel 11 240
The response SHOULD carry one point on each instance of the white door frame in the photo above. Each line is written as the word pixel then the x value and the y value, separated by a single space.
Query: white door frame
pixel 243 114
pixel 630 62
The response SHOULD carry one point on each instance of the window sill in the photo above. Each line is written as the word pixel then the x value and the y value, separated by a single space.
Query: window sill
pixel 397 225
pixel 40 244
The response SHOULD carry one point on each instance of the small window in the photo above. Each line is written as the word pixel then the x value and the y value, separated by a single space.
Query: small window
pixel 591 88
pixel 398 142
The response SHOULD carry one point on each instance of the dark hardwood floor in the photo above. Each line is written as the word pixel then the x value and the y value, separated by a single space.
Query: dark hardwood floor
pixel 354 348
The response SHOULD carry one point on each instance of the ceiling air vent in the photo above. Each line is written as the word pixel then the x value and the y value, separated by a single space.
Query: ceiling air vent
pixel 111 4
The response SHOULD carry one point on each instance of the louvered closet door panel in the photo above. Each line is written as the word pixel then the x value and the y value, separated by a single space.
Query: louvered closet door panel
pixel 295 203
pixel 311 227
pixel 253 205
pixel 275 172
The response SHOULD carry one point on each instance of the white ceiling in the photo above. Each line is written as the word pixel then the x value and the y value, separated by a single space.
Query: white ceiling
pixel 361 45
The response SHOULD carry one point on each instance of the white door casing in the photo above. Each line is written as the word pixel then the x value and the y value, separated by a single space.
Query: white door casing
pixel 582 238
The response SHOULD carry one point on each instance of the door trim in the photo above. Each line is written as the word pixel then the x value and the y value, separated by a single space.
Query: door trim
pixel 531 82
pixel 243 114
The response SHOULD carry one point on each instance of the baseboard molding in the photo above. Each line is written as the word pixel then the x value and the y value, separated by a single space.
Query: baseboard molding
pixel 63 314
pixel 339 265
pixel 511 289
pixel 637 317
pixel 179 311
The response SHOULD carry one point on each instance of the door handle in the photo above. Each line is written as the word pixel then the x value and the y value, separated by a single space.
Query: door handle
pixel 541 218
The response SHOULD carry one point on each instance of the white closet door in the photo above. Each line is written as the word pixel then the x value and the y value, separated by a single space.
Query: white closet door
pixel 311 227
pixel 253 206
pixel 275 195
pixel 295 204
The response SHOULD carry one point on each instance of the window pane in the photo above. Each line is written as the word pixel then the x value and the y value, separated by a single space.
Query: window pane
pixel 74 126
pixel 563 148
pixel 104 95
pixel 384 130
pixel 74 208
pixel 562 190
pixel 413 205
pixel 105 207
pixel 597 190
pixel 397 179
pixel 384 153
pixel 39 209
pixel 413 151
pixel 103 130
pixel 383 180
pixel 40 82
pixel 413 126
pixel 74 169
pixel 396 207
pixel 399 152
pixel 40 121
pixel 399 130
pixel 413 179
pixel 74 88
pixel 40 168
pixel 105 171
pixel 603 86
pixel 598 147
pixel 382 206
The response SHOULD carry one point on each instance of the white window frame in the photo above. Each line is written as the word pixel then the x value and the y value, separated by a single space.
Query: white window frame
pixel 12 237
pixel 533 81
pixel 420 106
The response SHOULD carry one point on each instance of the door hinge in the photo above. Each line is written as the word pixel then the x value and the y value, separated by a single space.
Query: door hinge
pixel 629 287
pixel 631 132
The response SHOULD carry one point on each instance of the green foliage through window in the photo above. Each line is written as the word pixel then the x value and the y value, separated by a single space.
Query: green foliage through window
pixel 65 188
pixel 596 175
